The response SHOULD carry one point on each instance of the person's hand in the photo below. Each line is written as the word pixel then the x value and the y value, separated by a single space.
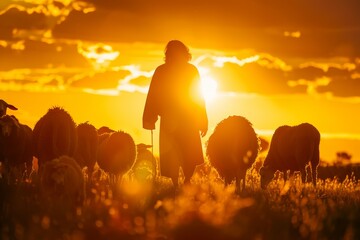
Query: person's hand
pixel 203 132
pixel 149 126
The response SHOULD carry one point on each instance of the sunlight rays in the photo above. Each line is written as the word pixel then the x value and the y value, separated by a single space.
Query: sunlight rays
pixel 209 88
pixel 208 84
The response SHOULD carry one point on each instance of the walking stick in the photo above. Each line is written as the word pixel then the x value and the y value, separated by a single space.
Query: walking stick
pixel 152 142
pixel 152 152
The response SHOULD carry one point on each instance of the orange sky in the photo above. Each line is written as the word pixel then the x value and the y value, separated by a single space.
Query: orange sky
pixel 273 63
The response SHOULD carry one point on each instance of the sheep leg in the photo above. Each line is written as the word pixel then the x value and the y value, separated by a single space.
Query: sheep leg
pixel 285 172
pixel 314 174
pixel 314 164
pixel 240 187
pixel 303 175
pixel 291 176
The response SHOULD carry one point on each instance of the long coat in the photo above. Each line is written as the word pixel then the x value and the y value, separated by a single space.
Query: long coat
pixel 174 96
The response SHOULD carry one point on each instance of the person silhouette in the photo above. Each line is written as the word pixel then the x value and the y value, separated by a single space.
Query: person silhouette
pixel 175 96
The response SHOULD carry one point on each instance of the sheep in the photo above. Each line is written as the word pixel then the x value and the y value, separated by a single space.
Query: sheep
pixel 103 133
pixel 54 135
pixel 15 144
pixel 232 149
pixel 144 168
pixel 62 181
pixel 116 153
pixel 292 148
pixel 4 106
pixel 104 129
pixel 86 152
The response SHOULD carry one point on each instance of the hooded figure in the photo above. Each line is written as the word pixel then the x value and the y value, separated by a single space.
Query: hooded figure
pixel 175 96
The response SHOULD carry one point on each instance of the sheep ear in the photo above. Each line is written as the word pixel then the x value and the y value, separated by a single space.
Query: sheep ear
pixel 11 107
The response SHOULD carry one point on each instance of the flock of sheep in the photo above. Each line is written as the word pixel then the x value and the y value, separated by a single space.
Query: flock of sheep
pixel 64 148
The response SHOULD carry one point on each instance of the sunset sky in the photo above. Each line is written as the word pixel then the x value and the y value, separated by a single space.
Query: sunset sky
pixel 273 62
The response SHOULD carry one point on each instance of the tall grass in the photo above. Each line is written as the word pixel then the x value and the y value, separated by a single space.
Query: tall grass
pixel 206 209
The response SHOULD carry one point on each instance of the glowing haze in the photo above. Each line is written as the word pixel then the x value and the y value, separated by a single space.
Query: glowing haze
pixel 275 64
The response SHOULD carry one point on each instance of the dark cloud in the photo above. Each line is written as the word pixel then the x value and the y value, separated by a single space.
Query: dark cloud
pixel 37 54
pixel 334 72
pixel 253 78
pixel 308 73
pixel 328 28
pixel 104 80
pixel 265 76
pixel 342 87
pixel 343 82
pixel 16 19
pixel 18 82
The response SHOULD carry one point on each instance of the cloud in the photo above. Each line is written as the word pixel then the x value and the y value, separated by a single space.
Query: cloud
pixel 297 30
pixel 294 48
pixel 99 55
pixel 342 87
pixel 266 74
pixel 99 80
pixel 37 54
pixel 36 19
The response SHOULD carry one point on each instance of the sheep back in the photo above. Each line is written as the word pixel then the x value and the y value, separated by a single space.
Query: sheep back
pixel 86 152
pixel 61 180
pixel 116 153
pixel 292 147
pixel 54 135
pixel 233 146
pixel 16 144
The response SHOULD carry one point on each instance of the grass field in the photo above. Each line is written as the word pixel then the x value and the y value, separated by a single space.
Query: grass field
pixel 206 209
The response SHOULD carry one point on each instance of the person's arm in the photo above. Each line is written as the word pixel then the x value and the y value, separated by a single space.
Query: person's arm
pixel 150 115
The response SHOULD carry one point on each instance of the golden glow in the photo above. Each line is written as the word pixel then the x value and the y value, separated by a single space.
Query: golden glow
pixel 49 8
pixel 219 61
pixel 208 84
pixel 311 85
pixel 296 34
pixel 325 66
pixel 209 88
pixel 107 92
pixel 18 45
pixel 135 72
pixel 99 55
pixel 3 43
pixel 271 62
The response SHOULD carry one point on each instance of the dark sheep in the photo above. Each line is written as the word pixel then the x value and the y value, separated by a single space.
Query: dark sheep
pixel 103 133
pixel 116 153
pixel 15 143
pixel 104 129
pixel 4 106
pixel 86 152
pixel 62 181
pixel 292 148
pixel 233 148
pixel 55 135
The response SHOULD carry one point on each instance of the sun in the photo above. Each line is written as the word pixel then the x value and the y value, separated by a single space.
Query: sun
pixel 208 88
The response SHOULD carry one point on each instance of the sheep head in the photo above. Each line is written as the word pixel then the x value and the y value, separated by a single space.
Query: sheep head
pixel 266 175
pixel 4 106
